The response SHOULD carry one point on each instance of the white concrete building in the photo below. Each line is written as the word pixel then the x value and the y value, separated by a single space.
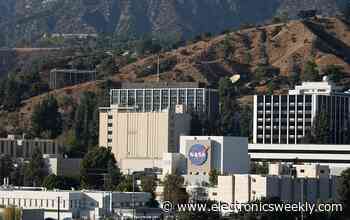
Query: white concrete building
pixel 140 139
pixel 227 155
pixel 243 188
pixel 224 154
pixel 286 119
pixel 72 204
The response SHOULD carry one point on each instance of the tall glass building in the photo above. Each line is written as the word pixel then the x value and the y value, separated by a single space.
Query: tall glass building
pixel 159 97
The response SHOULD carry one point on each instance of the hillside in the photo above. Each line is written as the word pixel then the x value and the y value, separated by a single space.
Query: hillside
pixel 283 47
pixel 280 49
pixel 29 20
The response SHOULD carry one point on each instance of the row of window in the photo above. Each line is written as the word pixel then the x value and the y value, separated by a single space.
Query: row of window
pixel 12 149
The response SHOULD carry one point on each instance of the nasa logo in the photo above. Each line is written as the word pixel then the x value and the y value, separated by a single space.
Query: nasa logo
pixel 198 154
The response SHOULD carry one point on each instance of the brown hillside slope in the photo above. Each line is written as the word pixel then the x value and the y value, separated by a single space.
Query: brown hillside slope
pixel 285 47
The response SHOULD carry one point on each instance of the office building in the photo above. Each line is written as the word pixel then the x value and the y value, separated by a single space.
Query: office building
pixel 286 119
pixel 69 205
pixel 140 139
pixel 60 78
pixel 150 97
pixel 18 147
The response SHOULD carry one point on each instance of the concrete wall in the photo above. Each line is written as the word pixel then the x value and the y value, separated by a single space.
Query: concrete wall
pixel 142 135
pixel 229 155
pixel 243 188
pixel 235 158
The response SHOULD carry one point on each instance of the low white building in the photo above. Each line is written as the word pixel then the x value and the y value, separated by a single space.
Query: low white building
pixel 313 181
pixel 72 204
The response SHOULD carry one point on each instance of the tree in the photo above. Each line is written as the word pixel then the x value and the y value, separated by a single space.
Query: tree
pixel 293 78
pixel 321 132
pixel 128 184
pixel 6 166
pixel 99 170
pixel 86 122
pixel 311 72
pixel 72 146
pixel 60 182
pixel 36 169
pixel 11 94
pixel 246 121
pixel 346 11
pixel 344 190
pixel 334 72
pixel 229 108
pixel 46 119
pixel 149 184
pixel 17 175
pixel 213 177
pixel 174 190
pixel 228 47
pixel 261 72
pixel 259 168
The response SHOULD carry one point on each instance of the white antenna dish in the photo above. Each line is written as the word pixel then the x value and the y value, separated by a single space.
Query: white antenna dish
pixel 325 78
pixel 235 78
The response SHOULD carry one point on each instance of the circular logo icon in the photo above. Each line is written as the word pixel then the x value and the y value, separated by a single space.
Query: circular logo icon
pixel 198 154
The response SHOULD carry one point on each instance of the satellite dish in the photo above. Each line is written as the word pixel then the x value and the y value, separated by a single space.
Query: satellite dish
pixel 235 78
pixel 325 78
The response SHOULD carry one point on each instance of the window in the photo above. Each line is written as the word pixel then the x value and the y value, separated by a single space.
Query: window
pixel 215 194
pixel 302 171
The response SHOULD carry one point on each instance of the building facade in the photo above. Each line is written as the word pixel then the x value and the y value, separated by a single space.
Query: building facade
pixel 287 119
pixel 60 78
pixel 162 96
pixel 243 188
pixel 61 166
pixel 17 147
pixel 140 139
pixel 69 205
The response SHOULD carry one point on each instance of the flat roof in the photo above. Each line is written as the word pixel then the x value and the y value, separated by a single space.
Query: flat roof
pixel 131 85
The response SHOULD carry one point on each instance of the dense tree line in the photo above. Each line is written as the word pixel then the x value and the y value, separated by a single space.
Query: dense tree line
pixel 46 119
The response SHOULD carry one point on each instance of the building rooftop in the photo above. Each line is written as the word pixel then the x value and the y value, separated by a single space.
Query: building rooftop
pixel 319 88
pixel 129 85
